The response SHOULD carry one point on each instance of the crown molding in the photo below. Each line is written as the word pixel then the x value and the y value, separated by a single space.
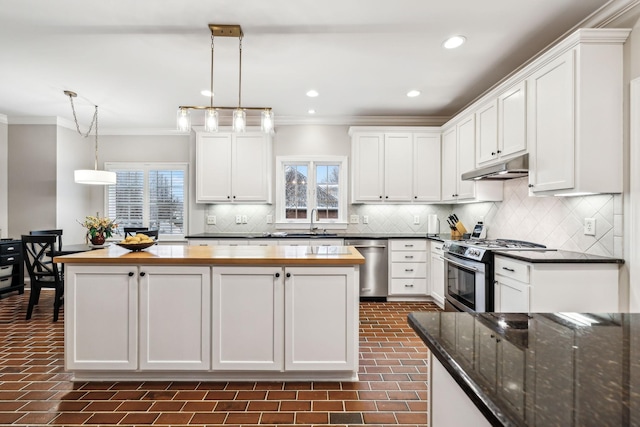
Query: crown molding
pixel 608 13
pixel 362 120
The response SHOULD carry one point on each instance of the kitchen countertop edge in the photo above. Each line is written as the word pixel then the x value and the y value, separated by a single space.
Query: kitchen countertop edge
pixel 563 257
pixel 314 236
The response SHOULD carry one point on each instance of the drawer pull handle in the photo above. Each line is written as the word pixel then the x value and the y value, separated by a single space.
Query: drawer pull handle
pixel 408 256
pixel 408 246
pixel 10 259
pixel 10 248
pixel 509 269
pixel 408 269
pixel 408 286
pixel 439 248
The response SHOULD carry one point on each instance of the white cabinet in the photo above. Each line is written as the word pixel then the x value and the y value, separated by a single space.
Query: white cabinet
pixel 466 157
pixel 321 319
pixel 408 267
pixel 555 287
pixel 501 126
pixel 575 99
pixel 436 273
pixel 395 165
pixel 248 333
pixel 233 168
pixel 202 242
pixel 175 342
pixel 101 318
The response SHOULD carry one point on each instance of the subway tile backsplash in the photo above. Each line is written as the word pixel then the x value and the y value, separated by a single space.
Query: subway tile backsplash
pixel 553 221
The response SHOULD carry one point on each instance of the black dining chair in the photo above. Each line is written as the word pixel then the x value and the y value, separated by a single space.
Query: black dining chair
pixel 132 231
pixel 38 257
pixel 58 234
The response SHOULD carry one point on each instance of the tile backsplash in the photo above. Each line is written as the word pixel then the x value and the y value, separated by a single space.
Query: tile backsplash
pixel 553 221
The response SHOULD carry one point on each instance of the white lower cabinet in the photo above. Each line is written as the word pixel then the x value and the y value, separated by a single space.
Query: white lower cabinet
pixel 436 273
pixel 248 332
pixel 176 342
pixel 101 318
pixel 408 267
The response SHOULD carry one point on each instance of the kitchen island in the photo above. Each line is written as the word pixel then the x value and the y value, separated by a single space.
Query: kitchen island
pixel 518 369
pixel 175 312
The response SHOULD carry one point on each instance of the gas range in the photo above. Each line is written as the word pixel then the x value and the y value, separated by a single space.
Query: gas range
pixel 480 249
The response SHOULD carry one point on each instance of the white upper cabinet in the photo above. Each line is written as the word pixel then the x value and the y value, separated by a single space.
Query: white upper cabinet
pixel 233 168
pixel 487 131
pixel 575 101
pixel 466 157
pixel 395 165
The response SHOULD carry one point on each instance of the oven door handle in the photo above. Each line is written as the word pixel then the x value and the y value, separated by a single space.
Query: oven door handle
pixel 461 265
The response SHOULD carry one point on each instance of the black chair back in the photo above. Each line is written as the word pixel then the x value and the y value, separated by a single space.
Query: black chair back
pixel 57 233
pixel 38 253
pixel 132 231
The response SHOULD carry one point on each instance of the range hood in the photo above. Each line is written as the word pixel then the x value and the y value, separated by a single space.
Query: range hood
pixel 509 169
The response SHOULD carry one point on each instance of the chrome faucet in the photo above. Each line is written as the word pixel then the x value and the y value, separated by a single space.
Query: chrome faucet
pixel 314 212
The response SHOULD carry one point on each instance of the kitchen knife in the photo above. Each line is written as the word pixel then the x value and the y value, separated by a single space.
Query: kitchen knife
pixel 455 218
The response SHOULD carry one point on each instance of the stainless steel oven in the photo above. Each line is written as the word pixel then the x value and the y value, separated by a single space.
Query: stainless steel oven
pixel 468 284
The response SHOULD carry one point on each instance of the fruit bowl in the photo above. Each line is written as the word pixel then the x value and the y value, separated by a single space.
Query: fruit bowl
pixel 136 246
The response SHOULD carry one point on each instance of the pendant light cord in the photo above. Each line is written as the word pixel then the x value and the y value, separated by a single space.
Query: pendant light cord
pixel 240 75
pixel 211 84
pixel 85 135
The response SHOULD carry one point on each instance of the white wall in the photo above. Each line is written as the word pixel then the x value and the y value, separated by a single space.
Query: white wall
pixel 4 185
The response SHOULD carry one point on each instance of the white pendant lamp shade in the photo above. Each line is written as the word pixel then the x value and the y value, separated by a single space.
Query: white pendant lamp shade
pixel 94 177
pixel 211 120
pixel 239 120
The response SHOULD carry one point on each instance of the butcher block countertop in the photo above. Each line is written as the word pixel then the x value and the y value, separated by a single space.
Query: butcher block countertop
pixel 219 255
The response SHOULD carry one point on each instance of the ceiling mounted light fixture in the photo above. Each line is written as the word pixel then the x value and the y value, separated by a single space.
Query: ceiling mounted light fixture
pixel 413 93
pixel 454 42
pixel 90 176
pixel 239 113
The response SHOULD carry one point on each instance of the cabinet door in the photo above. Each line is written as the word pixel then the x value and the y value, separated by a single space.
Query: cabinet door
pixel 466 157
pixel 321 311
pixel 513 296
pixel 213 168
pixel 101 317
pixel 175 307
pixel 398 167
pixel 512 119
pixel 487 132
pixel 248 331
pixel 251 172
pixel 450 175
pixel 551 127
pixel 436 272
pixel 426 167
pixel 368 172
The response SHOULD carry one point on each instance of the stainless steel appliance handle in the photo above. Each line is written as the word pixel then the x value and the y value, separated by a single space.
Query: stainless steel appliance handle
pixel 461 265
pixel 368 246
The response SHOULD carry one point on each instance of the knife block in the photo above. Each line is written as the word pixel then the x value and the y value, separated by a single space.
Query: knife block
pixel 459 231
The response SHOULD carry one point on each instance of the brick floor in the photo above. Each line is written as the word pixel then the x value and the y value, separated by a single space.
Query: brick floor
pixel 35 390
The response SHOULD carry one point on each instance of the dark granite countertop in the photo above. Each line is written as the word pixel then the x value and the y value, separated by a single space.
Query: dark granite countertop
pixel 299 235
pixel 540 369
pixel 558 257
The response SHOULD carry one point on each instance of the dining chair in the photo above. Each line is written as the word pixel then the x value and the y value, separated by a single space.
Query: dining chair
pixel 132 231
pixel 58 234
pixel 39 251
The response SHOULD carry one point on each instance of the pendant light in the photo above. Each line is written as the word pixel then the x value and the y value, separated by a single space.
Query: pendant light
pixel 90 176
pixel 211 112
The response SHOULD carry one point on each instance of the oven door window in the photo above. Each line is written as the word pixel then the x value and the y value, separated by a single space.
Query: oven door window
pixel 461 285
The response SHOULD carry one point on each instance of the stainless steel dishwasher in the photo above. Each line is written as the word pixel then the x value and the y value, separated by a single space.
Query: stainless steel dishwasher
pixel 374 273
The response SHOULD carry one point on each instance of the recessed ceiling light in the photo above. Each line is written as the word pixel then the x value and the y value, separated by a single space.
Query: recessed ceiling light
pixel 454 42
pixel 206 92
pixel 312 93
pixel 312 111
pixel 413 93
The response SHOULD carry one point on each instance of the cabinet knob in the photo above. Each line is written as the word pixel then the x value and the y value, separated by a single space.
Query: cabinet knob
pixel 386 197
pixel 499 151
pixel 234 197
pixel 288 274
pixel 277 274
pixel 415 197
pixel 228 197
pixel 530 185
pixel 493 336
pixel 131 274
pixel 493 153
pixel 381 197
pixel 142 274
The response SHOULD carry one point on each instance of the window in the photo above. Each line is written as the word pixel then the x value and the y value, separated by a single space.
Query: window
pixel 150 195
pixel 317 183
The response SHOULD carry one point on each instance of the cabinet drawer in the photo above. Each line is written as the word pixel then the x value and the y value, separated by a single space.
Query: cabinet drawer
pixel 408 286
pixel 513 269
pixel 10 259
pixel 408 270
pixel 409 245
pixel 202 242
pixel 6 271
pixel 436 248
pixel 233 242
pixel 409 256
pixel 5 282
pixel 10 248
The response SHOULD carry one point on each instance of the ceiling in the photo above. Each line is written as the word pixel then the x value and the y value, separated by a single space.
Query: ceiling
pixel 139 60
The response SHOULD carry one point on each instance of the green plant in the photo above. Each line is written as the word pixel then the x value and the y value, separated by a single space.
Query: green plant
pixel 96 226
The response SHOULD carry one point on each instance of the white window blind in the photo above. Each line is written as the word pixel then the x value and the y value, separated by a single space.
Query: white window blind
pixel 150 195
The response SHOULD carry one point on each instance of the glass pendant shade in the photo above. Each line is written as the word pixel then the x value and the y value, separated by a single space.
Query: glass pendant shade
pixel 94 177
pixel 211 120
pixel 239 120
pixel 266 122
pixel 184 119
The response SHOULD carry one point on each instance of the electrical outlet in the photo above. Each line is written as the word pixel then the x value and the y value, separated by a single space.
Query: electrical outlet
pixel 211 220
pixel 238 219
pixel 354 219
pixel 416 219
pixel 365 219
pixel 590 226
pixel 244 219
pixel 269 219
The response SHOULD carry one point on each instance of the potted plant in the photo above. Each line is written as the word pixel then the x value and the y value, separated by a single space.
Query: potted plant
pixel 99 229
